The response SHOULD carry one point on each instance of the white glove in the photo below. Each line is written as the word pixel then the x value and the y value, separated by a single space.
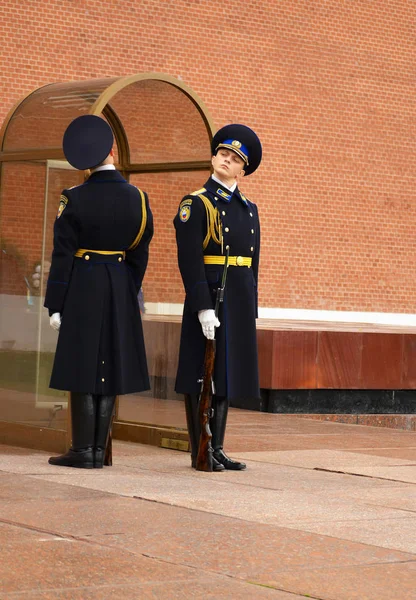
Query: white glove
pixel 208 322
pixel 55 321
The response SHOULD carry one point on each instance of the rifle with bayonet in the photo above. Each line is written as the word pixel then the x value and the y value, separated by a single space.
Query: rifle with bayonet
pixel 204 459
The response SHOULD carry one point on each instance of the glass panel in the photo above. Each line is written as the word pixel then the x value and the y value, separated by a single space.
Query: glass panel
pixel 162 123
pixel 27 343
pixel 60 175
pixel 163 294
pixel 40 121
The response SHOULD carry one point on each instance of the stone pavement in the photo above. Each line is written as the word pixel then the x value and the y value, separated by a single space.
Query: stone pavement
pixel 325 510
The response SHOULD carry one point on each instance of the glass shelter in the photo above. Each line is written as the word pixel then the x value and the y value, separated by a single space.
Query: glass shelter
pixel 162 136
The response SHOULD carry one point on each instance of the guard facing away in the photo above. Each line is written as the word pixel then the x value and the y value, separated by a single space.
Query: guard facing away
pixel 101 244
pixel 210 221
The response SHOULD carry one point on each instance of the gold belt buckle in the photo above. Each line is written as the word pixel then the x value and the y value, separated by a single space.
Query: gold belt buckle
pixel 240 261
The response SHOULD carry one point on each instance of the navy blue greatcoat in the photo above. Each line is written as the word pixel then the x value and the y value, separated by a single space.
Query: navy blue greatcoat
pixel 236 365
pixel 100 346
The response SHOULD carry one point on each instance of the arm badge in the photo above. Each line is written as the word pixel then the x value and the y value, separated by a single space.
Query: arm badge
pixel 62 205
pixel 184 213
pixel 185 210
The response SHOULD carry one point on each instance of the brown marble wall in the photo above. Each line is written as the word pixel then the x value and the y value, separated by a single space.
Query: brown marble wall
pixel 296 359
pixel 336 360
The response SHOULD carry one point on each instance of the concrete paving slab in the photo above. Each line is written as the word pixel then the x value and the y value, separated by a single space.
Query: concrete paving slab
pixel 31 462
pixel 399 473
pixel 212 588
pixel 208 493
pixel 408 454
pixel 397 534
pixel 19 487
pixel 324 459
pixel 225 545
pixel 264 441
pixel 282 477
pixel 65 562
pixel 401 495
pixel 197 539
pixel 290 523
pixel 12 535
pixel 377 582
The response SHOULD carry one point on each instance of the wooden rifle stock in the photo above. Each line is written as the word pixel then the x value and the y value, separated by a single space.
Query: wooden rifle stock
pixel 108 457
pixel 204 458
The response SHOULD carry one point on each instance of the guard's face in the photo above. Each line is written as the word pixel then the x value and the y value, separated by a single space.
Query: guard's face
pixel 227 165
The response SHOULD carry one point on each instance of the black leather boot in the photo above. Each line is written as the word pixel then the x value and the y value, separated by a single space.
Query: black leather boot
pixel 104 414
pixel 192 420
pixel 218 425
pixel 80 455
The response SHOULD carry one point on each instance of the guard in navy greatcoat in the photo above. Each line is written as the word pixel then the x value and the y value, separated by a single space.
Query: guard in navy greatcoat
pixel 209 221
pixel 101 242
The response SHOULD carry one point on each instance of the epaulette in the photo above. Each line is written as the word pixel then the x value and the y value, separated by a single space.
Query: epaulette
pixel 138 237
pixel 201 191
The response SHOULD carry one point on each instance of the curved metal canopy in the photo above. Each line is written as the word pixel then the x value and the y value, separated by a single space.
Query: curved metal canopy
pixel 159 123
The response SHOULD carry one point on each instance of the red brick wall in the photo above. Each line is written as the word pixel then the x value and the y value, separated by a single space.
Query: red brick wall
pixel 22 216
pixel 329 87
pixel 22 201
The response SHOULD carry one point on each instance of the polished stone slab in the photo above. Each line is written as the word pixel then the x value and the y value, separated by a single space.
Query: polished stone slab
pixel 396 534
pixel 51 562
pixel 152 527
pixel 206 492
pixel 325 459
pixel 376 582
pixel 192 538
pixel 211 588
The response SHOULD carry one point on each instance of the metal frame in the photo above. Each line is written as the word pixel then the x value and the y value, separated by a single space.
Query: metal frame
pixel 102 106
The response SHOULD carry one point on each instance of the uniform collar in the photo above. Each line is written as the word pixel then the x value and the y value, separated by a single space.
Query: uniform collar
pixel 231 189
pixel 106 175
pixel 220 191
pixel 103 168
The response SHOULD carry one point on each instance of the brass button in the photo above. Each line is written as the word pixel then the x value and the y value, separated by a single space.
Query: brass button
pixel 103 362
pixel 252 231
pixel 226 230
pixel 119 259
pixel 227 247
pixel 87 257
pixel 252 249
pixel 240 261
pixel 223 213
pixel 251 214
pixel 103 379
